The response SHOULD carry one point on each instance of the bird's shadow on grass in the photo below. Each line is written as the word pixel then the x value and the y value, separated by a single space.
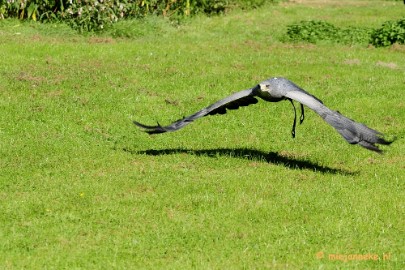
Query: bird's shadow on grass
pixel 249 154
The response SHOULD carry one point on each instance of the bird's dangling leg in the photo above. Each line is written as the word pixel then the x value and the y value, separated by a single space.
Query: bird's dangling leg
pixel 295 119
pixel 302 114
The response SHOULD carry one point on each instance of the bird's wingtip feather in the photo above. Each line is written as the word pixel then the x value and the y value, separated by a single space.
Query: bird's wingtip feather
pixel 150 129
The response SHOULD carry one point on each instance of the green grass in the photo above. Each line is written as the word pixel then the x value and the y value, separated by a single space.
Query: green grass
pixel 81 187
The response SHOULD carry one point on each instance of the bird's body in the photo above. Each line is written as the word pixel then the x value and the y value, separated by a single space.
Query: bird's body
pixel 277 89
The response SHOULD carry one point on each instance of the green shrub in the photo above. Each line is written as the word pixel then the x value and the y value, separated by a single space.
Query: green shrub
pixel 316 31
pixel 90 15
pixel 389 33
pixel 32 9
pixel 312 31
pixel 354 35
pixel 96 15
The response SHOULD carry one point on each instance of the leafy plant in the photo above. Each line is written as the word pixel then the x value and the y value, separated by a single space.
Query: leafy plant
pixel 354 35
pixel 316 31
pixel 96 15
pixel 389 33
pixel 312 31
pixel 89 15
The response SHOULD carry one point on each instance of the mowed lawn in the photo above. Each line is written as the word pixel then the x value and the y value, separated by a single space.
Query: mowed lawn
pixel 81 187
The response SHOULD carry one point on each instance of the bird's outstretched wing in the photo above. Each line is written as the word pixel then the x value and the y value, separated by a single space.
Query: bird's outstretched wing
pixel 352 131
pixel 232 102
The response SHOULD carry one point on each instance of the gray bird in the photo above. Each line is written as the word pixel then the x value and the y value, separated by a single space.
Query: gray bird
pixel 277 89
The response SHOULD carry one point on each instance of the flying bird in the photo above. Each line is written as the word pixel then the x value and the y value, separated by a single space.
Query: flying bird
pixel 277 89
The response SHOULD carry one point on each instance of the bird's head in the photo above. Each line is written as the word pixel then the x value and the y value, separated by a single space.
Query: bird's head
pixel 264 86
pixel 271 89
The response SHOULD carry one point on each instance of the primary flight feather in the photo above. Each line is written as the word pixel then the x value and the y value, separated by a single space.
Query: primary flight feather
pixel 277 89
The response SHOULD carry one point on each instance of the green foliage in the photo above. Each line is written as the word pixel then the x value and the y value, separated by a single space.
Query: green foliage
pixel 389 33
pixel 316 31
pixel 312 31
pixel 89 15
pixel 354 35
pixel 96 15
pixel 31 9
